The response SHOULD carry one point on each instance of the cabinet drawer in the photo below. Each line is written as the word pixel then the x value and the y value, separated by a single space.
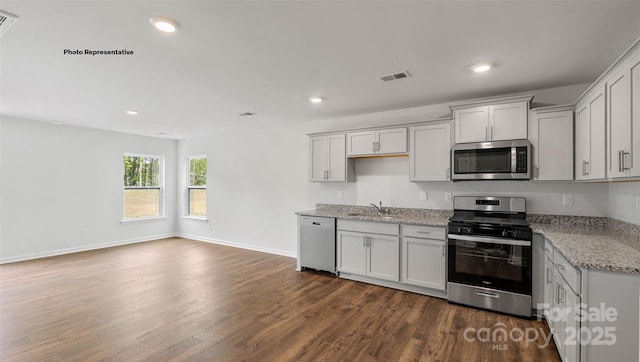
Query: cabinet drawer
pixel 425 232
pixel 568 271
pixel 548 249
pixel 369 227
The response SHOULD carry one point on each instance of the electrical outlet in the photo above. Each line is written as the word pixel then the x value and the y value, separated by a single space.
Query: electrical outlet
pixel 567 199
pixel 340 195
pixel 447 196
pixel 423 196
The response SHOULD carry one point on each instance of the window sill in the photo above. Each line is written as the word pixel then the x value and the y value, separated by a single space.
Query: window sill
pixel 199 218
pixel 124 221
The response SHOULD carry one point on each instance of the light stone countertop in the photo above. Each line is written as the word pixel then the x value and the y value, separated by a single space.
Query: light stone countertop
pixel 597 247
pixel 395 215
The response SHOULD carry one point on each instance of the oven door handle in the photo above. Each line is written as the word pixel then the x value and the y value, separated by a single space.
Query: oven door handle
pixel 485 294
pixel 483 239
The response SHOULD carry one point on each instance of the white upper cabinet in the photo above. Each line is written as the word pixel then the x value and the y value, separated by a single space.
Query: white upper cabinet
pixel 327 158
pixel 508 121
pixel 590 136
pixel 377 142
pixel 430 151
pixel 623 115
pixel 471 124
pixel 494 120
pixel 551 135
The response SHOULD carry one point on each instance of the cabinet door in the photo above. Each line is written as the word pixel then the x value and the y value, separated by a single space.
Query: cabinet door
pixel 597 116
pixel 552 140
pixel 508 121
pixel 360 143
pixel 336 158
pixel 549 284
pixel 423 262
pixel 619 122
pixel 471 124
pixel 634 158
pixel 392 141
pixel 572 325
pixel 583 141
pixel 559 334
pixel 383 257
pixel 318 154
pixel 351 255
pixel 430 154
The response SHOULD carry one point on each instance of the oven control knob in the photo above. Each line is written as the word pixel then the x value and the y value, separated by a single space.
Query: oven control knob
pixel 505 234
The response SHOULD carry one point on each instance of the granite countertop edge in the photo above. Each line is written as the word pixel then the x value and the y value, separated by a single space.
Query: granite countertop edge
pixel 395 219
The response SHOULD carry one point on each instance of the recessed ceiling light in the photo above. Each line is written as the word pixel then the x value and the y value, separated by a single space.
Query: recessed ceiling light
pixel 479 68
pixel 315 99
pixel 164 24
pixel 132 112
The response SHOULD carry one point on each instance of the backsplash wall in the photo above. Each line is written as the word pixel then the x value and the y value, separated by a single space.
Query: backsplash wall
pixel 387 180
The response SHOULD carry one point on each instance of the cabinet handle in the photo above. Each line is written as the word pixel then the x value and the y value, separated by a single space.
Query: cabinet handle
pixel 490 132
pixel 584 168
pixel 548 276
pixel 423 232
pixel 448 173
pixel 547 249
pixel 620 167
pixel 328 174
pixel 588 167
pixel 486 133
pixel 559 299
pixel 561 267
pixel 537 172
pixel 377 146
pixel 443 251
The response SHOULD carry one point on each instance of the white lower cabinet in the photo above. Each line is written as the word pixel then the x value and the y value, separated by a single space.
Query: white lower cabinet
pixel 423 261
pixel 408 257
pixel 368 253
pixel 382 257
pixel 351 251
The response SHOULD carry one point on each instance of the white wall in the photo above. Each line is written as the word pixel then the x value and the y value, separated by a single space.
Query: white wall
pixel 623 201
pixel 57 180
pixel 256 180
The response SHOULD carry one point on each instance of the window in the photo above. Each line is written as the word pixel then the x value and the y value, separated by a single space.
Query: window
pixel 143 194
pixel 197 186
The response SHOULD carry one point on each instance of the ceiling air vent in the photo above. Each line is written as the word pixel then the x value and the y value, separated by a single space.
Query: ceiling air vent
pixel 6 20
pixel 389 77
pixel 247 114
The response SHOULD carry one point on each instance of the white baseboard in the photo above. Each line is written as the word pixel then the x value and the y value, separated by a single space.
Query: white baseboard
pixel 45 254
pixel 239 245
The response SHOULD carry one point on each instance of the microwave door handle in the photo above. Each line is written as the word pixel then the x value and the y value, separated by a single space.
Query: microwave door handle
pixel 514 159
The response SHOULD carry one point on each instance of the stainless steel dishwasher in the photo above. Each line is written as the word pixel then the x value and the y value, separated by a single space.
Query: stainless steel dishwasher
pixel 318 243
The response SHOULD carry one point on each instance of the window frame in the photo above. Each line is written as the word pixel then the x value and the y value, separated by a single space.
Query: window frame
pixel 160 187
pixel 189 188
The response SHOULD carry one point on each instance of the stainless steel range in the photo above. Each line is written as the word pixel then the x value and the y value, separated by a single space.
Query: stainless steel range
pixel 489 259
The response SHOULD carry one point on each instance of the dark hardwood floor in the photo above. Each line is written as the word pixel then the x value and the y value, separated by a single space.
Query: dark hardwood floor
pixel 177 299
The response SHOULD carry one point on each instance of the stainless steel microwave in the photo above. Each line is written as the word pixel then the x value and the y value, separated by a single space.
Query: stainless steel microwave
pixel 499 160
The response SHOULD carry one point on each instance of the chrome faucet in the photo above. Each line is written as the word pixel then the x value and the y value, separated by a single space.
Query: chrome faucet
pixel 380 209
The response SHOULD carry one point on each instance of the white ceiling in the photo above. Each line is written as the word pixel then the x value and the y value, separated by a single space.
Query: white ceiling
pixel 269 57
